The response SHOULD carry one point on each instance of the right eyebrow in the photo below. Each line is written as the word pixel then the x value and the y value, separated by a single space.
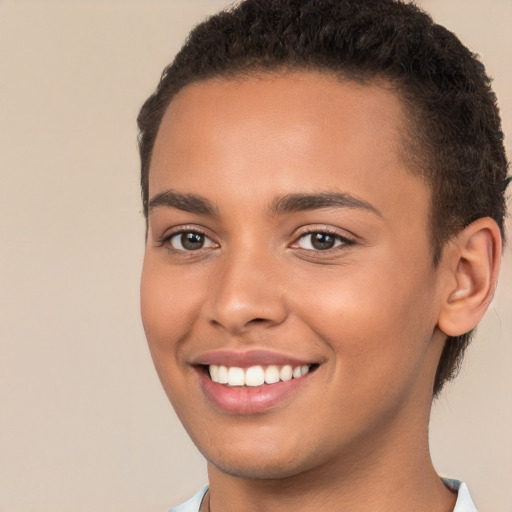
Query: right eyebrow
pixel 191 203
pixel 306 202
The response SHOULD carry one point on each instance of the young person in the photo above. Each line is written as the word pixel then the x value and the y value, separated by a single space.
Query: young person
pixel 323 182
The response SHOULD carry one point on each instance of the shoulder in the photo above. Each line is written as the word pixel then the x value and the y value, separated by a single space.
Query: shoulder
pixel 464 501
pixel 193 504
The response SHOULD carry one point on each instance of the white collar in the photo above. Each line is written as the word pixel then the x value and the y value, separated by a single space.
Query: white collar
pixel 464 501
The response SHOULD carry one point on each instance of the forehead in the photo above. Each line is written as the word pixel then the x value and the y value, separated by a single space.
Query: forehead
pixel 300 101
pixel 291 131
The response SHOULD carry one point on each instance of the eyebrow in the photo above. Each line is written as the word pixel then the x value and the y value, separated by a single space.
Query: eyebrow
pixel 304 202
pixel 191 203
pixel 288 203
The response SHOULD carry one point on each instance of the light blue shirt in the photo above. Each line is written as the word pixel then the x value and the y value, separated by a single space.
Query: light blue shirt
pixel 464 500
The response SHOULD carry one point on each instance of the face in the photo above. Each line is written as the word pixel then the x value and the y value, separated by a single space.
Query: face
pixel 288 293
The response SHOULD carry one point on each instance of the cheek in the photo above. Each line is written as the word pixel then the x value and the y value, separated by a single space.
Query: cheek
pixel 168 304
pixel 168 309
pixel 377 320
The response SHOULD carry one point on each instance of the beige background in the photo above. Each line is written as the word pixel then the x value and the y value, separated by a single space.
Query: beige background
pixel 84 425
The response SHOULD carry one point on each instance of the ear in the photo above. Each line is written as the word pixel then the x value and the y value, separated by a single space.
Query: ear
pixel 471 264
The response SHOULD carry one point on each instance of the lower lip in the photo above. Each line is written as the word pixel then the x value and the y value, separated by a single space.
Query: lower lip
pixel 249 400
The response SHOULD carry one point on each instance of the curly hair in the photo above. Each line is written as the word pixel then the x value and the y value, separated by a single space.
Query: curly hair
pixel 454 138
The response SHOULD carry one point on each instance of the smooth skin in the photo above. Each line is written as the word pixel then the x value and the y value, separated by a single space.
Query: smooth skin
pixel 237 273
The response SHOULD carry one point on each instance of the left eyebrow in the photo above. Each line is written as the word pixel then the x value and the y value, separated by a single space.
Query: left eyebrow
pixel 290 203
pixel 192 203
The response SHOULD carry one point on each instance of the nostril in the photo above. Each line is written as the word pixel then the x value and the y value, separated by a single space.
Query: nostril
pixel 256 321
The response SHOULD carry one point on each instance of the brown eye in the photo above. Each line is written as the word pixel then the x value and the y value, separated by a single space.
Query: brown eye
pixel 321 241
pixel 190 241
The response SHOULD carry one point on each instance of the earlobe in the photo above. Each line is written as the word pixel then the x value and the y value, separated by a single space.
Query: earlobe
pixel 471 262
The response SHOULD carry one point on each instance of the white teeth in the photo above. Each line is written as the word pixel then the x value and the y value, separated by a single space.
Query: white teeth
pixel 286 373
pixel 223 375
pixel 255 375
pixel 214 372
pixel 236 376
pixel 271 374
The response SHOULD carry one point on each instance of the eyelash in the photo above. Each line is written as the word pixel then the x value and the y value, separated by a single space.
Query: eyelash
pixel 342 241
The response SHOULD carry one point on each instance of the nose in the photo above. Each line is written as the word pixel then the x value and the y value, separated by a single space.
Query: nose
pixel 246 293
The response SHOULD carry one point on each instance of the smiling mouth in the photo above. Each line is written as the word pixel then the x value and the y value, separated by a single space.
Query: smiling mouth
pixel 254 376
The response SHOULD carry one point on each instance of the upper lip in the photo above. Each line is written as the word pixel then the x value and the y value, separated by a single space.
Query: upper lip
pixel 245 359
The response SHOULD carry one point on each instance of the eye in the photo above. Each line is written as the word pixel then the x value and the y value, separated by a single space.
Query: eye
pixel 320 241
pixel 189 241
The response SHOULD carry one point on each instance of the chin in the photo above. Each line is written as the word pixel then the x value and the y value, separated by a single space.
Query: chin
pixel 263 461
pixel 257 469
